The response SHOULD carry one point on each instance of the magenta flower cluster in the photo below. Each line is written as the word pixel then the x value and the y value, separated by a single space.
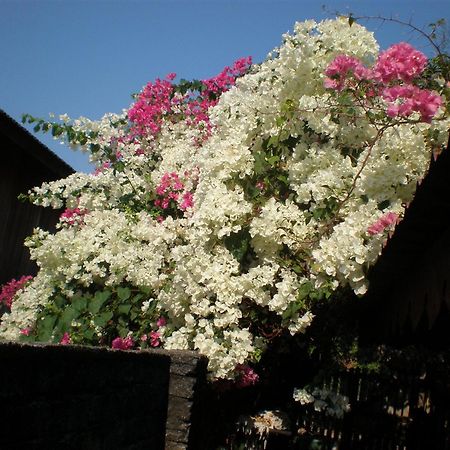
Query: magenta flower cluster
pixel 400 62
pixel 65 340
pixel 382 223
pixel 246 376
pixel 153 104
pixel 197 108
pixel 405 99
pixel 171 191
pixel 343 67
pixel 9 289
pixel 157 102
pixel 391 78
pixel 153 338
pixel 73 216
pixel 122 343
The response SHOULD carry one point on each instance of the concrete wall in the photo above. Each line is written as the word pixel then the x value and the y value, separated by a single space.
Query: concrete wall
pixel 72 397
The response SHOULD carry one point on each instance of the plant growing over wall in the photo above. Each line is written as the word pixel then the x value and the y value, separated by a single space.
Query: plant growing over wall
pixel 223 210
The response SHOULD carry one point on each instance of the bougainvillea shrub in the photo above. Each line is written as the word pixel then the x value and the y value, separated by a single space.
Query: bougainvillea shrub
pixel 222 210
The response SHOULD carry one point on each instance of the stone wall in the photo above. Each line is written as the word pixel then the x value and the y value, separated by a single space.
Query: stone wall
pixel 73 397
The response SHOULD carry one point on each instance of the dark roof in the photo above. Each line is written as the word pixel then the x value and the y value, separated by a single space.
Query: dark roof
pixel 410 282
pixel 32 146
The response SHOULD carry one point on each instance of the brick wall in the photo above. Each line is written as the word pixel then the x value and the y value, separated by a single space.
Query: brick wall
pixel 71 397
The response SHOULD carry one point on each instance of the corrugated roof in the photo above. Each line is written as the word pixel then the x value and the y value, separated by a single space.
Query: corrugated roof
pixel 32 146
pixel 410 283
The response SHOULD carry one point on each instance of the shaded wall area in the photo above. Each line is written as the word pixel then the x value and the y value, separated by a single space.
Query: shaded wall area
pixel 26 163
pixel 408 301
pixel 73 397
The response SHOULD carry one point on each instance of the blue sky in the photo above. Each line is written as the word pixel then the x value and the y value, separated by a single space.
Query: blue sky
pixel 87 57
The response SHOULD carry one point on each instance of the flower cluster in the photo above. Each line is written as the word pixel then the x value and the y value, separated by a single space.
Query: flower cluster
pixel 122 343
pixel 391 78
pixel 153 104
pixel 171 191
pixel 72 216
pixel 382 223
pixel 246 376
pixel 404 100
pixel 213 88
pixel 322 399
pixel 342 68
pixel 264 422
pixel 400 62
pixel 10 289
pixel 161 100
pixel 226 208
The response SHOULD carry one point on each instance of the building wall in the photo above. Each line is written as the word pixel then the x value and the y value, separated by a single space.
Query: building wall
pixel 73 397
pixel 25 163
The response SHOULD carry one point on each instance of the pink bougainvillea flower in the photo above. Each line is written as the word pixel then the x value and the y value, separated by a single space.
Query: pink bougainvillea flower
pixel 73 216
pixel 155 339
pixel 188 201
pixel 391 78
pixel 171 193
pixel 9 290
pixel 160 101
pixel 382 223
pixel 399 62
pixel 25 331
pixel 161 322
pixel 246 376
pixel 102 168
pixel 122 343
pixel 65 340
pixel 343 67
pixel 405 99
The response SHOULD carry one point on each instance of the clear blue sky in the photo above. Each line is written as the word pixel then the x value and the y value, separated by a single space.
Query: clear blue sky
pixel 87 57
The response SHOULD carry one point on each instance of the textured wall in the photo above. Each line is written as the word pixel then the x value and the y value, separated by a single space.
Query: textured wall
pixel 70 397
pixel 26 163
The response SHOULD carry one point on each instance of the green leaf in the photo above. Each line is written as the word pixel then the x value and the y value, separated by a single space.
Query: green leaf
pixel 45 328
pixel 137 298
pixel 122 330
pixel 291 310
pixel 304 290
pixel 238 243
pixel 273 160
pixel 59 301
pixel 79 303
pixel 273 141
pixel 97 302
pixel 383 205
pixel 56 130
pixel 260 162
pixel 68 315
pixel 364 198
pixel 123 293
pixel 88 334
pixel 94 148
pixel 102 319
pixel 280 121
pixel 82 138
pixel 124 309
